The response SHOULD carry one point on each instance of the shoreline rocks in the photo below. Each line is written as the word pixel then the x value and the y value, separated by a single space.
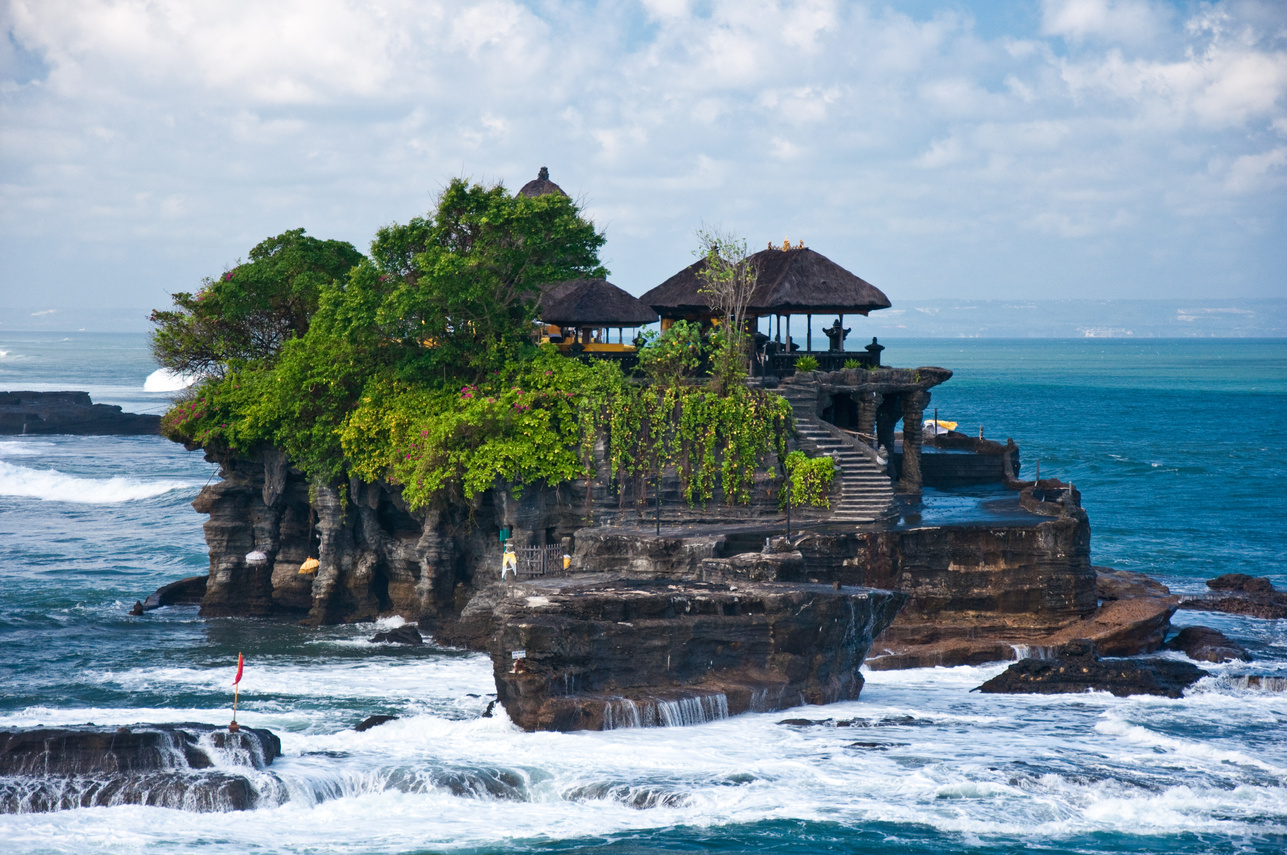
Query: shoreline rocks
pixel 1240 594
pixel 1207 645
pixel 1076 667
pixel 69 413
pixel 183 766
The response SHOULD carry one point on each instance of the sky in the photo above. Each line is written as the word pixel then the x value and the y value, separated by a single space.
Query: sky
pixel 1094 149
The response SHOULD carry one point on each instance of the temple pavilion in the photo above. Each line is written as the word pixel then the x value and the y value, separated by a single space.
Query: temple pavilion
pixel 790 281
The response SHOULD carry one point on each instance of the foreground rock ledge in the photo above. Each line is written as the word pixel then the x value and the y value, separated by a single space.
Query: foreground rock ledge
pixel 196 767
pixel 620 653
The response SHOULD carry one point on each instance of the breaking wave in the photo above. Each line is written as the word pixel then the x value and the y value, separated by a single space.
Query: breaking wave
pixel 165 380
pixel 53 486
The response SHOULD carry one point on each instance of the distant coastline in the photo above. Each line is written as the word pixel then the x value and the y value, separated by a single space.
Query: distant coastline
pixel 942 318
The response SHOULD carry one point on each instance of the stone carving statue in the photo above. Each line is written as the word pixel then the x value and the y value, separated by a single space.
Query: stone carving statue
pixel 836 335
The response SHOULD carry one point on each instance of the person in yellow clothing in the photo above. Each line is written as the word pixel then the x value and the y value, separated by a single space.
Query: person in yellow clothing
pixel 509 563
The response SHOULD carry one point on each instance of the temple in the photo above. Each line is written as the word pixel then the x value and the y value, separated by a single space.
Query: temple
pixel 847 406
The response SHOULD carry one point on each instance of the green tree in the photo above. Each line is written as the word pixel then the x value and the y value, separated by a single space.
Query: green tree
pixel 463 282
pixel 248 313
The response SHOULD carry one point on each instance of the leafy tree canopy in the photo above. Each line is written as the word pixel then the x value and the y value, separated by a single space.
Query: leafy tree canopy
pixel 463 283
pixel 248 313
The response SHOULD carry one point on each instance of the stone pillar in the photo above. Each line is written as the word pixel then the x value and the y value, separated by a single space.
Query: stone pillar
pixel 868 404
pixel 914 404
pixel 887 415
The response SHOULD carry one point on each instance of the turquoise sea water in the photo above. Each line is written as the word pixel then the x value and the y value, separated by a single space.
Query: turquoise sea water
pixel 1176 447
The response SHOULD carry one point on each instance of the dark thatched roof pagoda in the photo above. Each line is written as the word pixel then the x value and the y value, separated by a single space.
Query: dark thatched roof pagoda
pixel 790 281
pixel 593 303
pixel 541 185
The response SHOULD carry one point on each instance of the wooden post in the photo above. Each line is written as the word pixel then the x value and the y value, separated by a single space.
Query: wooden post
pixel 659 499
pixel 808 333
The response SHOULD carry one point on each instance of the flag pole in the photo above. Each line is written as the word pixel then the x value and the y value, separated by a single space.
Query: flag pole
pixel 233 727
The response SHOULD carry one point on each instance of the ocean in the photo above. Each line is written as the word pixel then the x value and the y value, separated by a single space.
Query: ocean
pixel 1175 445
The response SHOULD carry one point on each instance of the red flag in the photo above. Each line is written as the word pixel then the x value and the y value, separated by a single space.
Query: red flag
pixel 240 664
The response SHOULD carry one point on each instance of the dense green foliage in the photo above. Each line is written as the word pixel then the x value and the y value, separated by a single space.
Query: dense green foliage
pixel 670 356
pixel 808 480
pixel 463 285
pixel 530 422
pixel 416 365
pixel 248 313
pixel 714 440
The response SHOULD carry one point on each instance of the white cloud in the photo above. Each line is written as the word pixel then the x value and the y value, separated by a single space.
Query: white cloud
pixel 1129 21
pixel 907 145
pixel 1258 172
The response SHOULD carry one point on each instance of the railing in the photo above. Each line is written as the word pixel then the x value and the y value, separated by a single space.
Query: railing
pixel 544 560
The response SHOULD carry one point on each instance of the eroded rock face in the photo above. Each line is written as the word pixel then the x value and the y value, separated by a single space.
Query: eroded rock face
pixel 46 769
pixel 1076 667
pixel 629 653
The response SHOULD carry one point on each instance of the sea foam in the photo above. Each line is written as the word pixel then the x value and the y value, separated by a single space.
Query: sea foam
pixel 165 380
pixel 53 486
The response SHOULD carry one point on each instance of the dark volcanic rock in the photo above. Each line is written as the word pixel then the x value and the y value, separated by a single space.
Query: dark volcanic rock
pixel 607 654
pixel 374 721
pixel 69 413
pixel 1207 645
pixel 1077 668
pixel 405 634
pixel 44 769
pixel 1253 596
pixel 1241 582
pixel 185 592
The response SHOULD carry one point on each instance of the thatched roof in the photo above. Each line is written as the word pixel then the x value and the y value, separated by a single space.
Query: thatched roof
pixel 592 303
pixel 541 185
pixel 791 281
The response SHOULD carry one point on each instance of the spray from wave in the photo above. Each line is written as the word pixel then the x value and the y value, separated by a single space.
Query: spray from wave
pixel 165 380
pixel 53 486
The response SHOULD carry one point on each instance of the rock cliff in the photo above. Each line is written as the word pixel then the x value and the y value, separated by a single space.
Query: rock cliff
pixel 598 655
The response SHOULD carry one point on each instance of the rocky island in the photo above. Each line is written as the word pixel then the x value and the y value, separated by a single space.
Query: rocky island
pixel 706 521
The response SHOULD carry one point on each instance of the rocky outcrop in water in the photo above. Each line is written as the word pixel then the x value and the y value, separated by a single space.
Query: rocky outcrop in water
pixel 602 654
pixel 1207 645
pixel 1076 667
pixel 69 413
pixel 47 769
pixel 1240 594
pixel 405 634
pixel 185 592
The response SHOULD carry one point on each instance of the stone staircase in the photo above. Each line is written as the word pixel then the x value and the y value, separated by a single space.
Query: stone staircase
pixel 866 492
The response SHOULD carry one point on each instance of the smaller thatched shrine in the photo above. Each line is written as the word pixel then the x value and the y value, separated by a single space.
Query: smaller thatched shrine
pixel 579 315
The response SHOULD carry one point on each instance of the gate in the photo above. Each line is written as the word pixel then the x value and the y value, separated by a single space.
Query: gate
pixel 544 560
